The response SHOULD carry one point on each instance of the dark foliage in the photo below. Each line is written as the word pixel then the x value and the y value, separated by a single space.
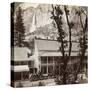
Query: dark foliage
pixel 19 31
pixel 57 17
pixel 12 23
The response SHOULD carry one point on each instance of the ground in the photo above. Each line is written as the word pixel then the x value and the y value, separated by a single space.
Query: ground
pixel 47 82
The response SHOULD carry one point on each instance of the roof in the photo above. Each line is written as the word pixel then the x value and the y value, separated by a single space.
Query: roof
pixel 56 53
pixel 45 47
pixel 20 68
pixel 53 45
pixel 47 44
pixel 47 53
pixel 20 54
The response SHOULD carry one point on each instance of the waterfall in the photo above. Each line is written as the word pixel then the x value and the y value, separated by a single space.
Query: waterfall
pixel 33 26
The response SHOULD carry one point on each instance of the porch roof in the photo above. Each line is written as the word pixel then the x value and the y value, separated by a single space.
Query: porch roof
pixel 51 48
pixel 44 53
pixel 20 54
pixel 57 53
pixel 20 68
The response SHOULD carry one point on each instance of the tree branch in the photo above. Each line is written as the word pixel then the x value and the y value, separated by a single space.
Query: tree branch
pixel 70 43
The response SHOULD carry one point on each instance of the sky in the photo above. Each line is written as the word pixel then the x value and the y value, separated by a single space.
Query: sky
pixel 26 5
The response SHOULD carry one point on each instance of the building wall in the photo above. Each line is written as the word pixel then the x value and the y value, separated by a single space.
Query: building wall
pixel 50 65
pixel 36 58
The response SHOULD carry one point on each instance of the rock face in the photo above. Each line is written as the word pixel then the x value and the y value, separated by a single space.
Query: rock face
pixel 41 16
pixel 38 23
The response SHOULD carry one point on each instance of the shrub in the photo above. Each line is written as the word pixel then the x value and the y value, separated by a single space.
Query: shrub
pixel 20 84
pixel 41 84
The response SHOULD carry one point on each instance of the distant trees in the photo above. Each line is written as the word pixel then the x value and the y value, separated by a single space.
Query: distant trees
pixel 83 34
pixel 83 40
pixel 19 30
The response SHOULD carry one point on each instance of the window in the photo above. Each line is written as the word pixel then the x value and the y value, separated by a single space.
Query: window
pixel 50 59
pixel 48 65
pixel 25 75
pixel 17 75
pixel 23 63
pixel 19 62
pixel 44 69
pixel 33 70
pixel 50 69
pixel 31 63
pixel 43 60
pixel 56 58
pixel 56 70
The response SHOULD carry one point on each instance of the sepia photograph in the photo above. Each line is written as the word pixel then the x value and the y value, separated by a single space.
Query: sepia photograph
pixel 49 44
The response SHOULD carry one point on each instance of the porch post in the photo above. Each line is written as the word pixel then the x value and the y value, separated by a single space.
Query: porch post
pixel 47 65
pixel 21 76
pixel 53 64
pixel 39 63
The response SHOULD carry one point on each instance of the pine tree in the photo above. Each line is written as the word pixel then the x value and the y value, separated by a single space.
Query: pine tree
pixel 12 23
pixel 19 31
